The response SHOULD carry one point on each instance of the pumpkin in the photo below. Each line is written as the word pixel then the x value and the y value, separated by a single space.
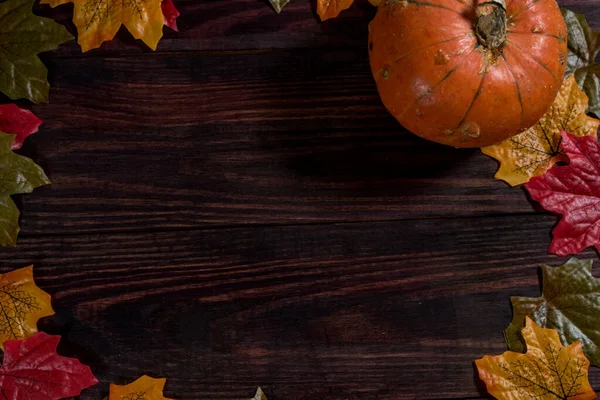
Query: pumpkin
pixel 468 73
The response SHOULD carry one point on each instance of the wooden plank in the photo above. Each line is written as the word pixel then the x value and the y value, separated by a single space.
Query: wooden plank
pixel 216 25
pixel 390 310
pixel 176 141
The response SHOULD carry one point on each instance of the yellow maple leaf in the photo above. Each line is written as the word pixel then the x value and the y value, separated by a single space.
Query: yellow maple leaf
pixel 99 20
pixel 548 371
pixel 332 8
pixel 22 304
pixel 534 151
pixel 145 388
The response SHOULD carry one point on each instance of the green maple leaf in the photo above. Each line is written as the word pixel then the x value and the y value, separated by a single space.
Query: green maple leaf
pixel 260 395
pixel 22 36
pixel 279 4
pixel 570 303
pixel 18 174
pixel 584 46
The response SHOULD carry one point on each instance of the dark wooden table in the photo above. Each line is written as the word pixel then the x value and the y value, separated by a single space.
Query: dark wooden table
pixel 238 209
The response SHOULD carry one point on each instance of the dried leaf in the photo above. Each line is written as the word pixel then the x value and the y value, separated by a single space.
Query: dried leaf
pixel 32 370
pixel 548 371
pixel 574 192
pixel 569 304
pixel 279 4
pixel 22 304
pixel 534 151
pixel 18 174
pixel 260 395
pixel 99 20
pixel 170 13
pixel 22 37
pixel 584 46
pixel 145 388
pixel 15 120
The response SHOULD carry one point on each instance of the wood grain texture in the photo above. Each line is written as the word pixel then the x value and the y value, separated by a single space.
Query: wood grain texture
pixel 238 209
pixel 217 25
pixel 391 310
pixel 186 140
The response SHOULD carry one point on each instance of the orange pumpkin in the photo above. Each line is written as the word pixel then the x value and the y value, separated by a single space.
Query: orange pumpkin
pixel 468 73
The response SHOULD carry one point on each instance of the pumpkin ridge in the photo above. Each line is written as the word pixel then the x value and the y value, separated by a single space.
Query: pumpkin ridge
pixel 559 38
pixel 464 4
pixel 416 102
pixel 477 93
pixel 518 87
pixel 396 61
pixel 535 60
pixel 521 11
pixel 436 86
pixel 419 3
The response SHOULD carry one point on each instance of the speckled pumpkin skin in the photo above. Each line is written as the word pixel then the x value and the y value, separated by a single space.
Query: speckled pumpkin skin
pixel 440 83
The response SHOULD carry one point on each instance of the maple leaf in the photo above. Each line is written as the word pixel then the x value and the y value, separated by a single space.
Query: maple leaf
pixel 22 304
pixel 32 370
pixel 22 37
pixel 568 304
pixel 260 395
pixel 532 152
pixel 15 120
pixel 170 13
pixel 18 174
pixel 332 8
pixel 99 20
pixel 145 388
pixel 279 4
pixel 574 192
pixel 584 46
pixel 547 371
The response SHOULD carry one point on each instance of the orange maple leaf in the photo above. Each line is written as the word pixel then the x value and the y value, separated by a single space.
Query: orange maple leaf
pixel 145 388
pixel 22 304
pixel 548 371
pixel 536 150
pixel 332 8
pixel 99 20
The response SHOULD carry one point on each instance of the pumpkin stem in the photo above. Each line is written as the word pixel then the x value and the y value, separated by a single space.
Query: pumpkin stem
pixel 490 25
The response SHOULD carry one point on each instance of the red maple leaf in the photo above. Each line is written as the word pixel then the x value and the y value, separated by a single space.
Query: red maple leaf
pixel 170 13
pixel 16 121
pixel 574 192
pixel 32 370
